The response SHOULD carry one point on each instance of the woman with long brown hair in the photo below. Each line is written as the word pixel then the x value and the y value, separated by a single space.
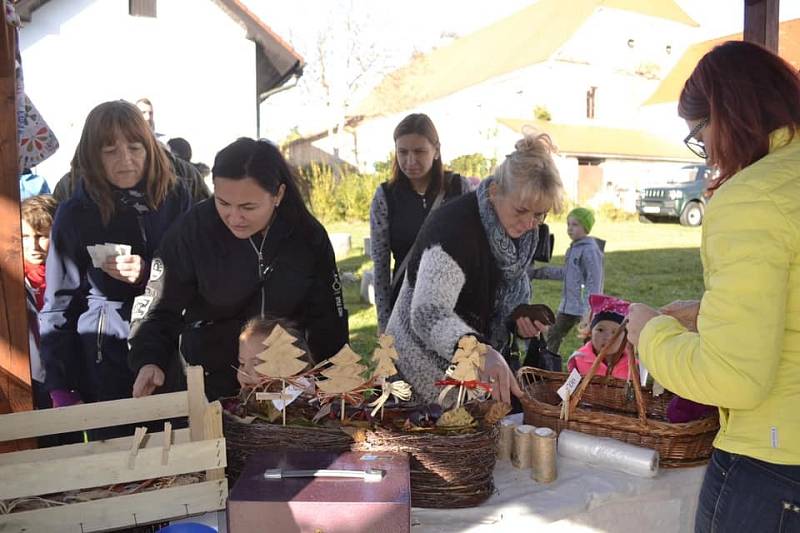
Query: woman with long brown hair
pixel 419 184
pixel 103 239
pixel 741 351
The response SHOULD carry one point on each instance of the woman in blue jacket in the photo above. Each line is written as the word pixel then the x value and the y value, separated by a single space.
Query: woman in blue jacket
pixel 102 242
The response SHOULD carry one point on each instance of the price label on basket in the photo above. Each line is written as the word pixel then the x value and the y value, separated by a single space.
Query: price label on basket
pixel 569 386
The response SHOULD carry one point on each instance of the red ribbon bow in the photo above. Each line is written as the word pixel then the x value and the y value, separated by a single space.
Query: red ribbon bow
pixel 471 384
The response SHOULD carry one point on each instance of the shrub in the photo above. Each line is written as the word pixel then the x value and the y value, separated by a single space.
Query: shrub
pixel 473 165
pixel 321 197
pixel 542 113
pixel 609 211
pixel 354 196
pixel 346 198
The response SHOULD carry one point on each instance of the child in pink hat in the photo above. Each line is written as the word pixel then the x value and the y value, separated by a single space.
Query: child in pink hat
pixel 607 314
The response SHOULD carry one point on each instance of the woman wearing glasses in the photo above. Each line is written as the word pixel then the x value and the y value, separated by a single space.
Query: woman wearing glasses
pixel 742 349
pixel 467 272
pixel 252 251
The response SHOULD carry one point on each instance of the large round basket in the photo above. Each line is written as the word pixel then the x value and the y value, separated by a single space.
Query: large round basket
pixel 448 470
pixel 243 439
pixel 605 410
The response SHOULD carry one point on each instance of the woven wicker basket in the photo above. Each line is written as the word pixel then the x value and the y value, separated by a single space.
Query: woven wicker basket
pixel 243 439
pixel 600 407
pixel 449 470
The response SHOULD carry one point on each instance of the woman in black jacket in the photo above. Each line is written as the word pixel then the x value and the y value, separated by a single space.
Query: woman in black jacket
pixel 253 250
pixel 467 271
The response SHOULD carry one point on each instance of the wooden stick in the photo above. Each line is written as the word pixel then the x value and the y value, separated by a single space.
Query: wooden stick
pixel 342 407
pixel 167 443
pixel 283 411
pixel 138 436
pixel 637 387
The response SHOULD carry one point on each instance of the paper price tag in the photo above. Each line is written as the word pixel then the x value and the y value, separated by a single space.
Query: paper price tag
pixel 569 386
pixel 270 396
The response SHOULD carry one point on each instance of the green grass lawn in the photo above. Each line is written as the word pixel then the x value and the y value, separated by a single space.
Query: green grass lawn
pixel 650 263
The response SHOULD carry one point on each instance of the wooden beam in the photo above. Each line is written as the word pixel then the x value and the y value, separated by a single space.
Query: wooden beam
pixel 761 21
pixel 113 513
pixel 14 359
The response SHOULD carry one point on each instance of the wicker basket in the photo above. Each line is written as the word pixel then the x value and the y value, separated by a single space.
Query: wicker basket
pixel 600 407
pixel 449 470
pixel 243 439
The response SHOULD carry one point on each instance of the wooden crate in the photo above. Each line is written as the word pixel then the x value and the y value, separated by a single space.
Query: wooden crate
pixel 143 456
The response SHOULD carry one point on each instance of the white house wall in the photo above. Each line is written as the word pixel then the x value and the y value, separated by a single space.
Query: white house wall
pixel 596 55
pixel 192 61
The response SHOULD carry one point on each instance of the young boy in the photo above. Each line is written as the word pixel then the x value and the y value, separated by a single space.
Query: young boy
pixel 37 218
pixel 582 274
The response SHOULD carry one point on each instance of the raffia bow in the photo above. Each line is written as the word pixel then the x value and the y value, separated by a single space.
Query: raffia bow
pixel 399 389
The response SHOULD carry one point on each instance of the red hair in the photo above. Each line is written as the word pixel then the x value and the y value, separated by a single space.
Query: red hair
pixel 746 92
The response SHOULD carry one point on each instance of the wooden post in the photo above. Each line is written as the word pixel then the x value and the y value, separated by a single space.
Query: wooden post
pixel 761 22
pixel 15 374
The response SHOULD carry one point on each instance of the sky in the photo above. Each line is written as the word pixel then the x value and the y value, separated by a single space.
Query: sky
pixel 389 33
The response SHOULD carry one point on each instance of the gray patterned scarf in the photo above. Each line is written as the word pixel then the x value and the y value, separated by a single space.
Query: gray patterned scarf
pixel 512 257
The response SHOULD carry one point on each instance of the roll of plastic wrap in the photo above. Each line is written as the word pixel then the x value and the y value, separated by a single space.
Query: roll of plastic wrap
pixel 608 453
pixel 544 455
pixel 521 452
pixel 505 442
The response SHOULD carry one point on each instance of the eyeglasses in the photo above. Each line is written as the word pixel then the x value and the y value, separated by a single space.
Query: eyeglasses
pixel 698 148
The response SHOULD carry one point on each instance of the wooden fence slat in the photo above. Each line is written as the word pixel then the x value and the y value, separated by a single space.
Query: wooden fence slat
pixel 151 440
pixel 91 416
pixel 75 473
pixel 213 430
pixel 121 511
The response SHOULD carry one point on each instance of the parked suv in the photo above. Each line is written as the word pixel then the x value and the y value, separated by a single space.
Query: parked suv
pixel 682 200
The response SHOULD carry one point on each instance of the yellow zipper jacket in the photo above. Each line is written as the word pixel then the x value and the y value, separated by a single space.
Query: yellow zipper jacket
pixel 745 357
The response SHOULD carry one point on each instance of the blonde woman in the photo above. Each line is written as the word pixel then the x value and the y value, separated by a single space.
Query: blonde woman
pixel 467 272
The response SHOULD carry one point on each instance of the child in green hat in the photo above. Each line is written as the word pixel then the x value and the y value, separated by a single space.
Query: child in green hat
pixel 582 274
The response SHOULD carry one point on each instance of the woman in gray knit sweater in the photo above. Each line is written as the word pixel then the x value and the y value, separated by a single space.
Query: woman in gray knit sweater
pixel 467 271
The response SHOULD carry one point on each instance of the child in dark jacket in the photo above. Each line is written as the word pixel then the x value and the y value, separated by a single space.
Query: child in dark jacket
pixel 37 219
pixel 582 274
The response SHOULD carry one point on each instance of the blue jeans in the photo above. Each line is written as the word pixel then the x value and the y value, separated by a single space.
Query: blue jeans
pixel 740 493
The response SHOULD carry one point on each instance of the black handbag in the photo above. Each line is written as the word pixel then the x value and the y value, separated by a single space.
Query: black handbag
pixel 544 244
pixel 540 357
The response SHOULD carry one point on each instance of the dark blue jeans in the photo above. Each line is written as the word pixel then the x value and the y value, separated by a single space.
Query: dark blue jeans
pixel 740 493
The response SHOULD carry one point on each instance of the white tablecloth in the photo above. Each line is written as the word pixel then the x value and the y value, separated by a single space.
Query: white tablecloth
pixel 583 498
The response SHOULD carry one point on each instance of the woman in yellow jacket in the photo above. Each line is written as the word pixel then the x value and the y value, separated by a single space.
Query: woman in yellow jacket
pixel 741 351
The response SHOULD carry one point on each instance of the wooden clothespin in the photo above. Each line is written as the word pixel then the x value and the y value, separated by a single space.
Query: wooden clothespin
pixel 138 437
pixel 167 442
